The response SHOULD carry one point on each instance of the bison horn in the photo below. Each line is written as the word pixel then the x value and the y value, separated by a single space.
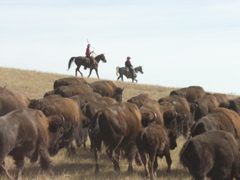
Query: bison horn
pixel 63 119
pixel 154 117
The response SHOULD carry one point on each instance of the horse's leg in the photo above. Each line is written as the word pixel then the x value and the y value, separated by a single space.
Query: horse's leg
pixel 119 77
pixel 78 70
pixel 90 72
pixel 96 70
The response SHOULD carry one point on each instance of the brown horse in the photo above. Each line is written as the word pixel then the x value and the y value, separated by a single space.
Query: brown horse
pixel 81 60
pixel 125 71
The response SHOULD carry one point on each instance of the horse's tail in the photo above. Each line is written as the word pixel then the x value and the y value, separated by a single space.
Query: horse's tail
pixel 70 62
pixel 117 71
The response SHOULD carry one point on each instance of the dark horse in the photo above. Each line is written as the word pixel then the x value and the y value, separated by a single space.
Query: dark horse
pixel 81 60
pixel 125 71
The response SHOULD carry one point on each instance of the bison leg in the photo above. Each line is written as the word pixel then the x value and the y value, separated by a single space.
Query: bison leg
pixel 97 157
pixel 19 161
pixel 71 149
pixel 5 171
pixel 131 157
pixel 110 151
pixel 144 161
pixel 130 166
pixel 151 161
pixel 138 159
pixel 113 159
pixel 96 143
pixel 169 161
pixel 45 161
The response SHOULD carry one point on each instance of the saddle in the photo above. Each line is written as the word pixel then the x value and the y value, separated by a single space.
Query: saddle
pixel 91 62
pixel 87 60
pixel 128 70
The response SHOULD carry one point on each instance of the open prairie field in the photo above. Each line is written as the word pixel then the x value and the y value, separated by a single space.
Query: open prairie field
pixel 81 166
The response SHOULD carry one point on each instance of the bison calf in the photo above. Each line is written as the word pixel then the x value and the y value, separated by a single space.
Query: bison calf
pixel 153 140
pixel 213 154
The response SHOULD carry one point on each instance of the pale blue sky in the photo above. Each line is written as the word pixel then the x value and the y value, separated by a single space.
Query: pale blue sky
pixel 178 42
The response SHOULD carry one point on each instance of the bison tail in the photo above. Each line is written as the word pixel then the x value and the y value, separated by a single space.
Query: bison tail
pixel 117 71
pixel 141 141
pixel 70 62
pixel 94 127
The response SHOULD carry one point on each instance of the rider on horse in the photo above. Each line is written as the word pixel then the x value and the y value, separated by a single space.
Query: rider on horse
pixel 129 65
pixel 88 53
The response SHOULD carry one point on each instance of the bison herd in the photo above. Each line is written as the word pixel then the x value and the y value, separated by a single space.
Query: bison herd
pixel 140 129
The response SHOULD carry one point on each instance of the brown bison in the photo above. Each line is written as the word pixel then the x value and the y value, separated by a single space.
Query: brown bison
pixel 213 154
pixel 107 88
pixel 117 126
pixel 191 93
pixel 29 133
pixel 218 119
pixel 162 113
pixel 181 106
pixel 139 99
pixel 234 104
pixel 222 100
pixel 149 109
pixel 153 141
pixel 92 107
pixel 76 125
pixel 71 90
pixel 204 105
pixel 83 99
pixel 11 100
pixel 68 81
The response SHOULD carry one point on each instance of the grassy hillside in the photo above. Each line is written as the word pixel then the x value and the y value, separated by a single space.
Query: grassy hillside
pixel 81 166
pixel 34 84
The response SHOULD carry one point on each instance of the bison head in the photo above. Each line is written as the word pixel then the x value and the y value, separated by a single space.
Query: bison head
pixel 148 118
pixel 81 132
pixel 118 94
pixel 56 132
pixel 172 120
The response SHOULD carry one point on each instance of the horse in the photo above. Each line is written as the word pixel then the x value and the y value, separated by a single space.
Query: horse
pixel 125 71
pixel 81 60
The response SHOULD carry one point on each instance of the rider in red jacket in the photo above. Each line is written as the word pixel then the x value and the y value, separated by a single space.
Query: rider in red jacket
pixel 88 55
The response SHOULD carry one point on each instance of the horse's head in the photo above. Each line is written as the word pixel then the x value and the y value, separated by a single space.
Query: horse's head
pixel 139 68
pixel 101 57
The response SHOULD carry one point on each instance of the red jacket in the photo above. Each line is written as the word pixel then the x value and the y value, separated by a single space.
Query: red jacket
pixel 88 52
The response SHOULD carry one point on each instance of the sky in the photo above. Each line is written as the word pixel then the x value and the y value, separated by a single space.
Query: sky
pixel 178 43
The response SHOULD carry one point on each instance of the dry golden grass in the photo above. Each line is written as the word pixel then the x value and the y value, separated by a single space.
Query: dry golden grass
pixel 81 166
